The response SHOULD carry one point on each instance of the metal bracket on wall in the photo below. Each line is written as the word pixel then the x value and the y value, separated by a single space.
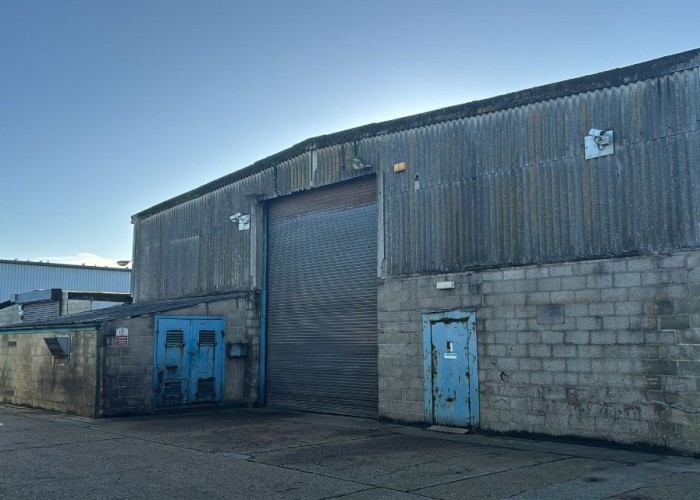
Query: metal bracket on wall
pixel 598 143
pixel 243 221
pixel 237 349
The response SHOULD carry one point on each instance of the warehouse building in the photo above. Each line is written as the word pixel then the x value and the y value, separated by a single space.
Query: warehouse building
pixel 32 291
pixel 525 263
pixel 17 276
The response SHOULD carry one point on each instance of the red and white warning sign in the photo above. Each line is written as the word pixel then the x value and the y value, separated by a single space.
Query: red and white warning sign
pixel 122 336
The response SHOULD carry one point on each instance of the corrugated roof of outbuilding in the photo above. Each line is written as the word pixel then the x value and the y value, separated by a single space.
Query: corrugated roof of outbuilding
pixel 123 311
pixel 611 78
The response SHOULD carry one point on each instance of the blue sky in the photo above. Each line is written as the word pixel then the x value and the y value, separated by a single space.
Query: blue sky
pixel 109 107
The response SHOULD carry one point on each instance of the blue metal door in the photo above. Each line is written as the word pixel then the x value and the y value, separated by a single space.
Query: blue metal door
pixel 205 338
pixel 188 359
pixel 451 369
pixel 172 362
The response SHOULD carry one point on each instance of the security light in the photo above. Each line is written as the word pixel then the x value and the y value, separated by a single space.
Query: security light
pixel 357 164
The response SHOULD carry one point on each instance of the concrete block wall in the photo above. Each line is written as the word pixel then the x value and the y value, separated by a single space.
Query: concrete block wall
pixel 75 306
pixel 127 376
pixel 31 376
pixel 252 336
pixel 241 326
pixel 72 306
pixel 126 372
pixel 9 316
pixel 606 349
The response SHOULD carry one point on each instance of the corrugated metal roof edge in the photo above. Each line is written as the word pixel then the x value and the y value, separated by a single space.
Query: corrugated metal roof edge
pixel 611 78
pixel 99 296
pixel 122 311
pixel 84 295
pixel 71 266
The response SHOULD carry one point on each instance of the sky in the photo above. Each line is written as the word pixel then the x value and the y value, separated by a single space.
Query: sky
pixel 110 107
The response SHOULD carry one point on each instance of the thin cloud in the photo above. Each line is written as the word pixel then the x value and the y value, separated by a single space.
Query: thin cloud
pixel 82 258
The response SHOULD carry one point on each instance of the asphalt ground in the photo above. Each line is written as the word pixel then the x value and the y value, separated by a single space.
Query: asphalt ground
pixel 264 453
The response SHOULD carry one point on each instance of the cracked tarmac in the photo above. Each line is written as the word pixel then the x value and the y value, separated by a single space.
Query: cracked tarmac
pixel 265 453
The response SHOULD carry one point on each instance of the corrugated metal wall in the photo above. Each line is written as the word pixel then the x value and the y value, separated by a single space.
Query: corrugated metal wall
pixel 21 277
pixel 513 187
pixel 508 187
pixel 193 249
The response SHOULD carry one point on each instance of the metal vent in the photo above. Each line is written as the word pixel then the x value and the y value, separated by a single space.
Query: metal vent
pixel 172 390
pixel 41 311
pixel 59 346
pixel 205 388
pixel 174 337
pixel 207 337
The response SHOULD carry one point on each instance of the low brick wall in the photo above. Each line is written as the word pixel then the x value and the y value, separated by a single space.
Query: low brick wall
pixel 606 349
pixel 31 376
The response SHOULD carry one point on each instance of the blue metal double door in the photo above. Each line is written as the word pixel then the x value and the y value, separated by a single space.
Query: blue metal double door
pixel 451 369
pixel 188 359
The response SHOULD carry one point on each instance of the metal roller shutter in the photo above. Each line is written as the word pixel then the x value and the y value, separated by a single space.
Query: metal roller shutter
pixel 322 301
pixel 41 311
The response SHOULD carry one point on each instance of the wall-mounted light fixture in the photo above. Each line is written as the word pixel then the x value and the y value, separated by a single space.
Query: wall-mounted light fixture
pixel 445 285
pixel 242 219
pixel 598 143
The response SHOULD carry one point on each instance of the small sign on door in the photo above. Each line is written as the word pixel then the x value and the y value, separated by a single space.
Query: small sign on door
pixel 450 354
pixel 122 337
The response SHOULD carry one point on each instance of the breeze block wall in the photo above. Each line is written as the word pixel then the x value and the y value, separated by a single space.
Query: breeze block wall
pixel 31 376
pixel 127 371
pixel 9 315
pixel 605 349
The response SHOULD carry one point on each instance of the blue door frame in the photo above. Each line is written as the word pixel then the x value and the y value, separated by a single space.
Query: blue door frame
pixel 262 349
pixel 188 360
pixel 451 376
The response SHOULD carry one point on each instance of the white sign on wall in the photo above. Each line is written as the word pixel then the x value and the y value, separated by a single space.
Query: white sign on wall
pixel 122 336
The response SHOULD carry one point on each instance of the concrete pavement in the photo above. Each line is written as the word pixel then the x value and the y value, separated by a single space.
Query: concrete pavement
pixel 264 453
